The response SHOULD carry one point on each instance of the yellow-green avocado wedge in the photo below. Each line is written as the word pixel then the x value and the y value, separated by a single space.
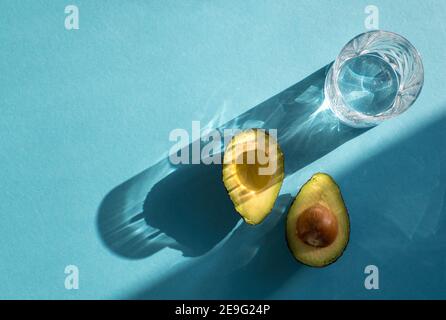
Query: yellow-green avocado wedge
pixel 314 242
pixel 252 193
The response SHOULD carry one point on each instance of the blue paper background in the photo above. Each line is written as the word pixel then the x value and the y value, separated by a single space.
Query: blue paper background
pixel 83 111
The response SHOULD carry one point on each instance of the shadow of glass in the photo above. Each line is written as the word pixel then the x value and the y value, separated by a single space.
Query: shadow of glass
pixel 186 206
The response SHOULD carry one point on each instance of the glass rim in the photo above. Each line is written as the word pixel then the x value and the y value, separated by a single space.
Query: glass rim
pixel 349 113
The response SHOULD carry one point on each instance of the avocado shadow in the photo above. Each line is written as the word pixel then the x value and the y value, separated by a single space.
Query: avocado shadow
pixel 187 210
pixel 251 263
pixel 186 207
pixel 191 205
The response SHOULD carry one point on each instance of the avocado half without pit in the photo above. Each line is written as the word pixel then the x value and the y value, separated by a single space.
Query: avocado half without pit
pixel 253 173
pixel 318 226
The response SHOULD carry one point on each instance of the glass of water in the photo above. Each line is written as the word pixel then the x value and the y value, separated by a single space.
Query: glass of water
pixel 377 75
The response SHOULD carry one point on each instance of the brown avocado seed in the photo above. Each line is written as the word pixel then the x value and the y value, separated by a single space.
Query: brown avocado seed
pixel 317 226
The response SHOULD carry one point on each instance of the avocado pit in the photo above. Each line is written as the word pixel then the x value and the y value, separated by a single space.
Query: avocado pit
pixel 317 226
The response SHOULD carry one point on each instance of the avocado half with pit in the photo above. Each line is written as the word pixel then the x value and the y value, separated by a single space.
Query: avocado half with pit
pixel 253 173
pixel 318 226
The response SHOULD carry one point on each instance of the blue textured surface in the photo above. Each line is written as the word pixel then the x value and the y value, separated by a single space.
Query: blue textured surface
pixel 84 111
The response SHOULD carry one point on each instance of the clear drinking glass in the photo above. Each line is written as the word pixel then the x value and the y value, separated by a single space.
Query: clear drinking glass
pixel 377 75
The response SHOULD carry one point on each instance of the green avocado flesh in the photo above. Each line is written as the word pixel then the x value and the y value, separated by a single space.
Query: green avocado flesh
pixel 318 227
pixel 252 193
